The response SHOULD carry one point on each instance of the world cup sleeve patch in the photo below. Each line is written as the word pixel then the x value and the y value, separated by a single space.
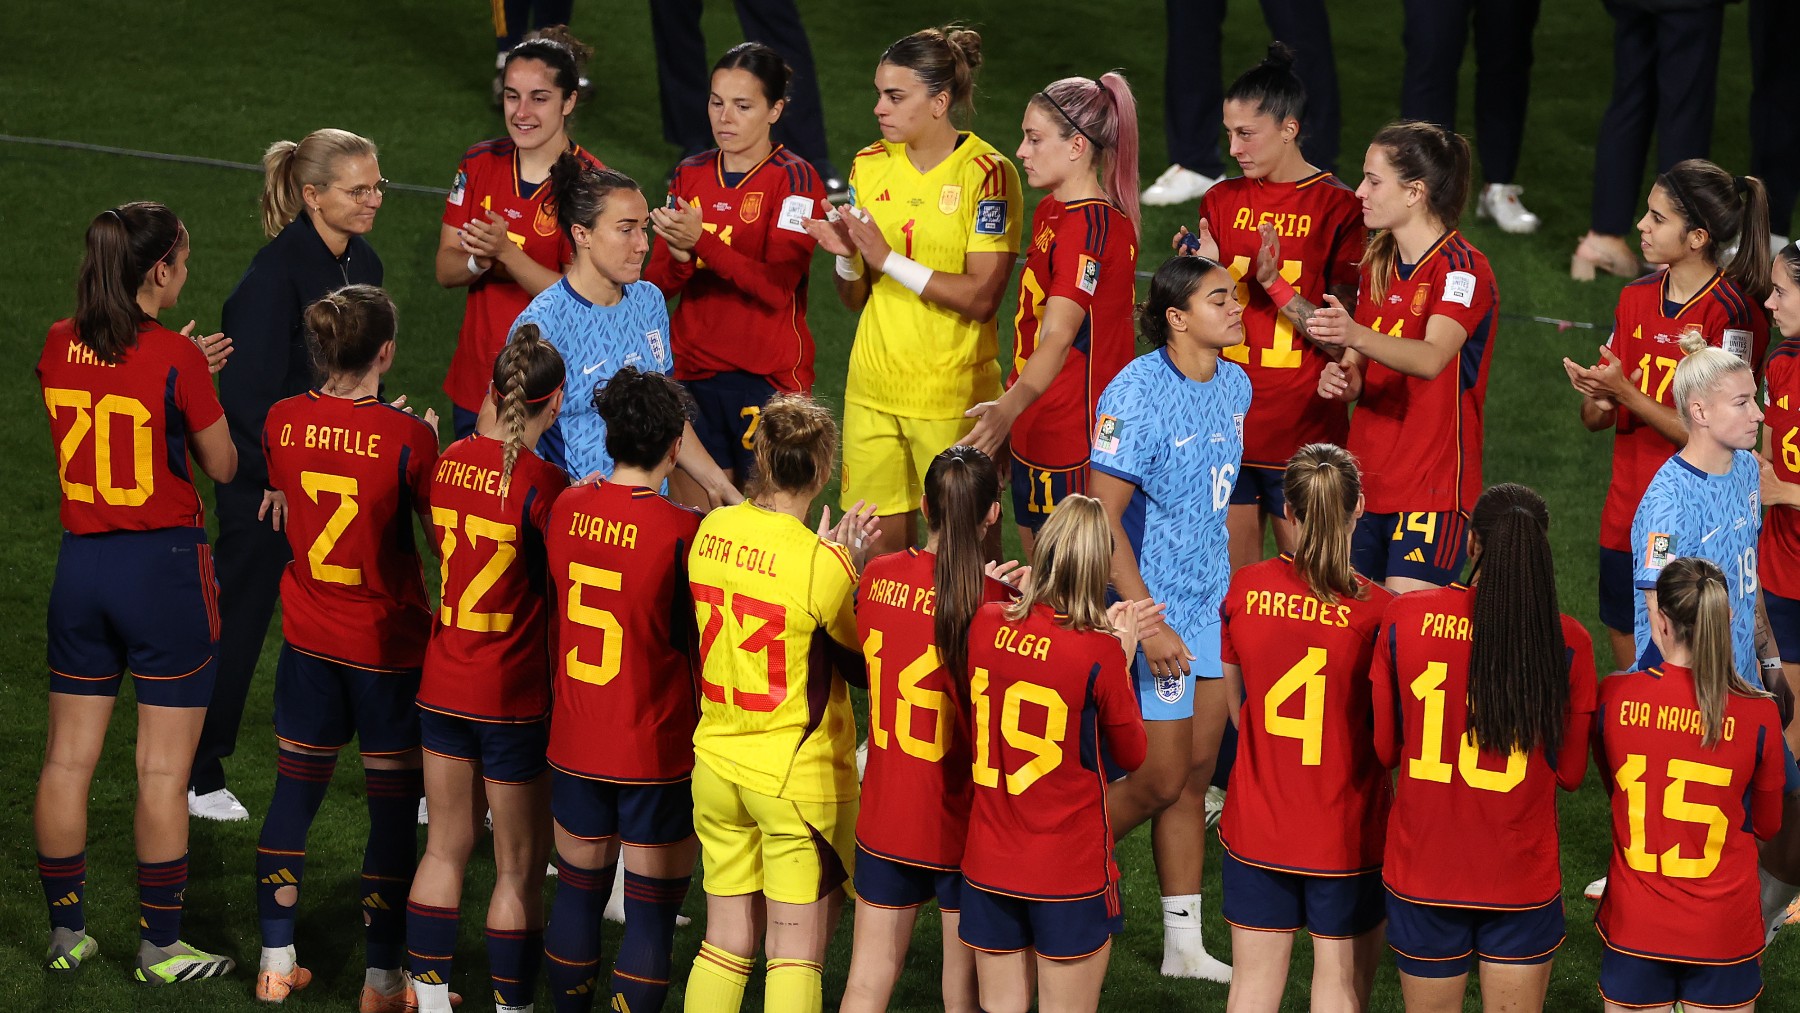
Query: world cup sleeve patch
pixel 1107 429
pixel 1659 548
pixel 1088 277
pixel 1737 342
pixel 990 218
pixel 795 210
pixel 458 187
pixel 1459 287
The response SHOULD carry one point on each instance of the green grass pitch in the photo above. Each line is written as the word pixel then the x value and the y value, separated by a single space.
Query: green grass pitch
pixel 224 79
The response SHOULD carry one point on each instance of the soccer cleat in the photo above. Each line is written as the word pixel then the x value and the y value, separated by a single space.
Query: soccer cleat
pixel 1215 805
pixel 179 962
pixel 68 949
pixel 1500 201
pixel 1793 913
pixel 424 813
pixel 273 986
pixel 219 805
pixel 1200 965
pixel 1596 889
pixel 1177 186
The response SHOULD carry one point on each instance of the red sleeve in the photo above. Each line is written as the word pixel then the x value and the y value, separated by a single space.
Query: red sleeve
pixel 194 393
pixel 1767 784
pixel 549 486
pixel 1209 206
pixel 1121 725
pixel 422 466
pixel 1227 649
pixel 1464 292
pixel 1075 258
pixel 787 256
pixel 1578 721
pixel 667 273
pixel 1597 732
pixel 1384 698
pixel 1345 268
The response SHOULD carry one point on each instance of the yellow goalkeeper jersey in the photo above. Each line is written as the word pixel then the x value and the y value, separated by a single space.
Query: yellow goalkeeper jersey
pixel 911 357
pixel 768 596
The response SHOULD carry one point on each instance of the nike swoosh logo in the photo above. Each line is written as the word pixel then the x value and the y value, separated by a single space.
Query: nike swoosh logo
pixel 1185 440
pixel 585 370
pixel 1708 536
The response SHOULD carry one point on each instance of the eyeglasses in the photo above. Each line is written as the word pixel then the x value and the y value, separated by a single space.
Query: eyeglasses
pixel 364 194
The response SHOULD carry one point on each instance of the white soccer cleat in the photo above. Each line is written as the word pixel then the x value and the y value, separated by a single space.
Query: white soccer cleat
pixel 1202 965
pixel 1177 186
pixel 1215 805
pixel 1500 201
pixel 219 805
pixel 1596 889
pixel 424 812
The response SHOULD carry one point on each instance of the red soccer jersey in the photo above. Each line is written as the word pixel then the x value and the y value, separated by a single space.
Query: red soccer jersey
pixel 1085 252
pixel 743 295
pixel 625 708
pixel 1419 441
pixel 1469 828
pixel 489 657
pixel 1647 331
pixel 354 473
pixel 1043 700
pixel 1304 752
pixel 120 431
pixel 915 790
pixel 1322 235
pixel 1778 547
pixel 1683 884
pixel 488 180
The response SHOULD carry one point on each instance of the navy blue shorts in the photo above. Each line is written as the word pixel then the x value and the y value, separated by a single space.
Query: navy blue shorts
pixel 507 753
pixel 462 422
pixel 1423 546
pixel 1330 907
pixel 1036 491
pixel 1432 941
pixel 641 815
pixel 323 704
pixel 1618 592
pixel 1784 622
pixel 885 882
pixel 143 601
pixel 1057 929
pixel 729 409
pixel 1261 487
pixel 1630 980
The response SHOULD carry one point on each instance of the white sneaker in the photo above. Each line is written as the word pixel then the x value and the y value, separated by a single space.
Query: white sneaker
pixel 1596 889
pixel 1215 805
pixel 424 813
pixel 1202 965
pixel 862 759
pixel 1500 201
pixel 1177 186
pixel 219 805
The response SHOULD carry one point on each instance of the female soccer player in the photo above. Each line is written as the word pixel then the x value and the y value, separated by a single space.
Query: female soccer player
pixel 1778 548
pixel 737 252
pixel 1298 231
pixel 1047 690
pixel 500 237
pixel 1483 698
pixel 912 612
pixel 924 252
pixel 600 318
pixel 775 772
pixel 319 200
pixel 1693 209
pixel 1693 760
pixel 1298 637
pixel 1073 330
pixel 1415 358
pixel 1167 445
pixel 345 473
pixel 129 400
pixel 485 699
pixel 622 722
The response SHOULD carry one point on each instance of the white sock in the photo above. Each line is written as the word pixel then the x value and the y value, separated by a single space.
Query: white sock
pixel 527 1008
pixel 386 980
pixel 279 959
pixel 431 998
pixel 615 904
pixel 1776 896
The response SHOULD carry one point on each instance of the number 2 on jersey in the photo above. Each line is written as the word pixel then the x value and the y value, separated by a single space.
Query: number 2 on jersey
pixel 98 420
pixel 344 487
pixel 764 639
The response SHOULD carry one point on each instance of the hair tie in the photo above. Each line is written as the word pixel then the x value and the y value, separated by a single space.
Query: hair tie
pixel 115 213
pixel 1065 115
pixel 1741 185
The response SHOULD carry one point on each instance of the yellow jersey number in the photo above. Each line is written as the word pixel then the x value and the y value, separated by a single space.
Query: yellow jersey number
pixel 344 487
pixel 910 699
pixel 1430 765
pixel 1307 678
pixel 581 577
pixel 466 615
pixel 1283 351
pixel 1046 750
pixel 1676 807
pixel 97 419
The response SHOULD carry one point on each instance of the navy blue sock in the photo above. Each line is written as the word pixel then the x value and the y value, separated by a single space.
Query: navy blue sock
pixel 301 781
pixel 572 939
pixel 641 970
pixel 430 942
pixel 514 956
pixel 389 860
pixel 160 886
pixel 65 885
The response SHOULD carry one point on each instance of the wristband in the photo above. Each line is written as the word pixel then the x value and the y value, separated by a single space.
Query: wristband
pixel 850 268
pixel 475 268
pixel 911 274
pixel 1771 664
pixel 1280 291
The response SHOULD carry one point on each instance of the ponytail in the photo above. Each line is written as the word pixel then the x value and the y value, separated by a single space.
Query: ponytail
pixel 527 373
pixel 1732 209
pixel 579 191
pixel 1518 662
pixel 124 244
pixel 1691 595
pixel 289 168
pixel 1425 153
pixel 960 487
pixel 1323 485
pixel 1074 558
pixel 1105 113
pixel 945 59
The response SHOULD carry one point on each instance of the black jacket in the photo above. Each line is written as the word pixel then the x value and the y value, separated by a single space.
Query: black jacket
pixel 265 319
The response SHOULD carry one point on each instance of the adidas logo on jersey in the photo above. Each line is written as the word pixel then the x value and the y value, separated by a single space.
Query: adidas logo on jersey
pixel 281 877
pixel 883 195
pixel 1416 556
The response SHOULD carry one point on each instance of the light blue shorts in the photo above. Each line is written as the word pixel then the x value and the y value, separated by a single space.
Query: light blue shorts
pixel 1171 698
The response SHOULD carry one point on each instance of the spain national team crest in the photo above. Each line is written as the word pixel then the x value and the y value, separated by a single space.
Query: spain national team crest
pixel 750 208
pixel 1420 297
pixel 950 198
pixel 544 222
